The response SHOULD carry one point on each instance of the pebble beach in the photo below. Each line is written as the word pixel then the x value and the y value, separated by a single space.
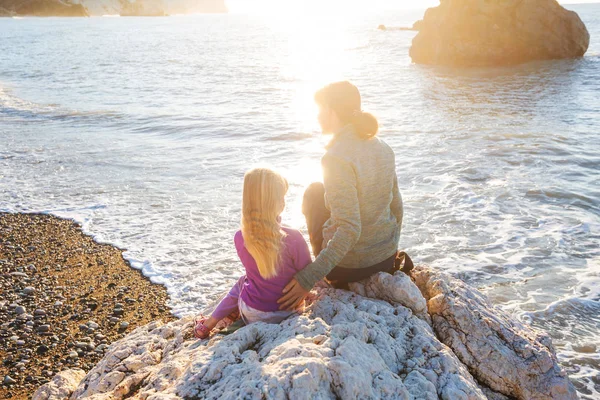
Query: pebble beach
pixel 63 300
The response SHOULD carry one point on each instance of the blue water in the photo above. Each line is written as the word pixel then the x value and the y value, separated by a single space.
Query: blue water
pixel 142 128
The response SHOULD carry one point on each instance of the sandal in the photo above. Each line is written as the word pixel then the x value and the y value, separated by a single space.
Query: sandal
pixel 201 331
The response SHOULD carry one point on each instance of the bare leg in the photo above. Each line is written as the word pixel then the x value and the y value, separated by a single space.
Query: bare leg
pixel 316 214
pixel 227 306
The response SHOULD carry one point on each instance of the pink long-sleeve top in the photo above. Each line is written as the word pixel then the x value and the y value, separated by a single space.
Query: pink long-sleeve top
pixel 262 294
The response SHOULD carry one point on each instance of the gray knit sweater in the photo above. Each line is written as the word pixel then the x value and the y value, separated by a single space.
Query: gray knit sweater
pixel 361 190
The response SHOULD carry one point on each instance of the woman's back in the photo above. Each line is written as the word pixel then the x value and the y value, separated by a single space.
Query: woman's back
pixel 370 165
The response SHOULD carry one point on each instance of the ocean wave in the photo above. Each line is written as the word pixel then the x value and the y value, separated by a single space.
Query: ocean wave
pixel 16 108
pixel 293 136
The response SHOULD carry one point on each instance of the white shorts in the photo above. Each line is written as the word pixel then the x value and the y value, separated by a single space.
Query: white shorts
pixel 251 315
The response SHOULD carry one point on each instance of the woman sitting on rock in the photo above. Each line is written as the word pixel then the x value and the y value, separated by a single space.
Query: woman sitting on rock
pixel 270 253
pixel 354 218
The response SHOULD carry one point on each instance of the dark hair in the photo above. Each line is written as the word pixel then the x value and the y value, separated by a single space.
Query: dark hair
pixel 344 99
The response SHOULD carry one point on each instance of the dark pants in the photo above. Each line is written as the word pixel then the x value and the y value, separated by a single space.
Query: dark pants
pixel 316 214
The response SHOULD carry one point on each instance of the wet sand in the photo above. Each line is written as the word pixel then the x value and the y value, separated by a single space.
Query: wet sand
pixel 63 299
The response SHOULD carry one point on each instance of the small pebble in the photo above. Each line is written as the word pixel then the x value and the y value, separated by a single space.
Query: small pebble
pixel 29 290
pixel 101 347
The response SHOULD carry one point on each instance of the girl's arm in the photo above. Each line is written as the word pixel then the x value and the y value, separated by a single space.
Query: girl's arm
pixel 302 255
pixel 339 179
pixel 238 240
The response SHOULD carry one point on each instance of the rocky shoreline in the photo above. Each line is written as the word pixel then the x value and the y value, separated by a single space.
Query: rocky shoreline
pixel 76 319
pixel 86 8
pixel 64 300
pixel 425 337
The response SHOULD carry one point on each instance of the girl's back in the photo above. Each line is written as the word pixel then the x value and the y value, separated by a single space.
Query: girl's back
pixel 260 293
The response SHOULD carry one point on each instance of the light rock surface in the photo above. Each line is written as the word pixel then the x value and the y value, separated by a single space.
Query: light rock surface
pixel 396 289
pixel 61 386
pixel 484 33
pixel 501 352
pixel 345 345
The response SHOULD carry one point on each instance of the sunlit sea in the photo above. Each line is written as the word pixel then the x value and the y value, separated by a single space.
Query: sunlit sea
pixel 142 128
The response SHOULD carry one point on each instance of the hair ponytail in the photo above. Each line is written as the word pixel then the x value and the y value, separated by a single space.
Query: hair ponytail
pixel 365 124
pixel 344 99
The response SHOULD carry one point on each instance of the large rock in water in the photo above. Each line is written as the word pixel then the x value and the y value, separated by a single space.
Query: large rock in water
pixel 345 345
pixel 489 33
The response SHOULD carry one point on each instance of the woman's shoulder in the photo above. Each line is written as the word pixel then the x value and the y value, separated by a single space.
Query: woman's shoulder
pixel 384 144
pixel 350 150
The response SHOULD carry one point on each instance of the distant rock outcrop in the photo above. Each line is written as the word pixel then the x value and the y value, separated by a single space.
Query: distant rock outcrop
pixel 396 28
pixel 6 13
pixel 196 6
pixel 143 8
pixel 490 33
pixel 41 8
pixel 346 345
pixel 84 8
pixel 152 7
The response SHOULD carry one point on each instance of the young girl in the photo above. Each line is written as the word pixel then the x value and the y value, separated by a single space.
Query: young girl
pixel 271 255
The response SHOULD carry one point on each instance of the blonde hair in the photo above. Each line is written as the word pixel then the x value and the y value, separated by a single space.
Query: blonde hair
pixel 263 202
